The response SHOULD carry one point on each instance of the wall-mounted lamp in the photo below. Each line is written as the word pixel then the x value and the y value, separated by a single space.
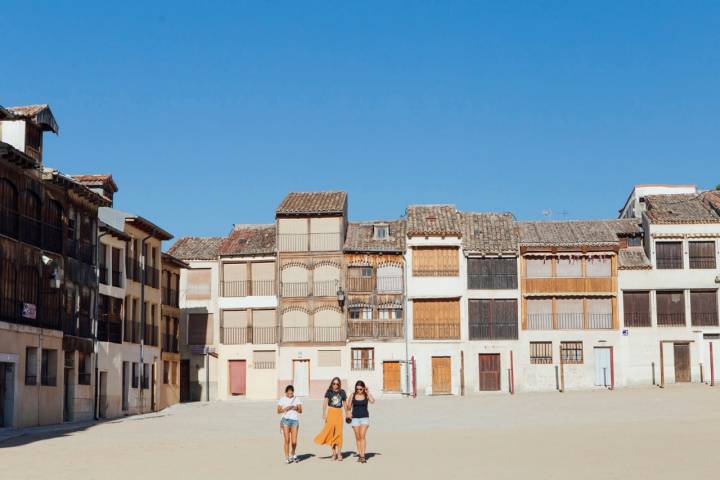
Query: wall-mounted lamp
pixel 341 297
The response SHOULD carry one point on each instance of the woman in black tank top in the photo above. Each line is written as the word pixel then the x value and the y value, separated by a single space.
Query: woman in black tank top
pixel 358 405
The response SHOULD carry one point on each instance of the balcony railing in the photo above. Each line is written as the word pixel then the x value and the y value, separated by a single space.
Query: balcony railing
pixel 9 222
pixel 375 328
pixel 360 284
pixel 48 317
pixel 255 335
pixel 325 288
pixel 600 321
pixel 568 284
pixel 110 328
pixel 82 250
pixel 569 321
pixel 637 319
pixel 313 334
pixel 103 271
pixel 132 332
pixel 295 289
pixel 314 242
pixel 152 277
pixel 80 326
pixel 170 343
pixel 117 278
pixel 436 331
pixel 705 319
pixel 52 238
pixel 436 272
pixel 248 288
pixel 492 281
pixel 669 263
pixel 671 319
pixel 151 335
pixel 170 297
pixel 390 284
pixel 30 230
pixel 494 331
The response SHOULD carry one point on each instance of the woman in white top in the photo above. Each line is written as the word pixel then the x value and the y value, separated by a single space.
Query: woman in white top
pixel 290 407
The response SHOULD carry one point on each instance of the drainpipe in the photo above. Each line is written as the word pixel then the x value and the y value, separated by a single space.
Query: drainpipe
pixel 142 314
pixel 98 236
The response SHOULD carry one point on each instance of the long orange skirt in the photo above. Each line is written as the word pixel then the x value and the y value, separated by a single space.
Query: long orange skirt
pixel 332 433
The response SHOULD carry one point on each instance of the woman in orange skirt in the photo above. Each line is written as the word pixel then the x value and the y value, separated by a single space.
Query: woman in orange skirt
pixel 334 408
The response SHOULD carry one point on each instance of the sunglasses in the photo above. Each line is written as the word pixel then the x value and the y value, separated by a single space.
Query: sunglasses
pixel 335 383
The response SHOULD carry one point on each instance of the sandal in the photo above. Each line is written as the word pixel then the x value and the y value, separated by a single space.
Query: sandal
pixel 362 460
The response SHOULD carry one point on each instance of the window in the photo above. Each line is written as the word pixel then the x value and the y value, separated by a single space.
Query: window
pixel 381 232
pixel 175 373
pixel 636 307
pixel 702 255
pixel 541 353
pixel 670 308
pixel 329 358
pixel 135 375
pixel 569 267
pixel 84 368
pixel 31 365
pixel 198 284
pixel 146 376
pixel 493 319
pixel 8 208
pixel 361 313
pixel 359 279
pixel 669 255
pixel 389 278
pixel 30 218
pixel 703 308
pixel 48 368
pixel 264 359
pixel 492 273
pixel 363 359
pixel 634 241
pixel 435 262
pixel 538 267
pixel 599 266
pixel 390 313
pixel 436 319
pixel 571 352
pixel 200 329
pixel 166 372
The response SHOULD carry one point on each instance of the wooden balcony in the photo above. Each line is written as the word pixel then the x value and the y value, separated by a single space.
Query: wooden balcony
pixel 313 334
pixel 569 285
pixel 248 288
pixel 244 335
pixel 309 242
pixel 436 331
pixel 569 321
pixel 375 329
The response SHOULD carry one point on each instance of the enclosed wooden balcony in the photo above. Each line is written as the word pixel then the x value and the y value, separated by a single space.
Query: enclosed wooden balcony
pixel 254 335
pixel 375 329
pixel 568 285
pixel 313 334
pixel 309 242
pixel 436 331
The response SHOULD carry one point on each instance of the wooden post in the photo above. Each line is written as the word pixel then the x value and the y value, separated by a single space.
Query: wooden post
pixel 712 365
pixel 512 374
pixel 702 377
pixel 662 367
pixel 562 371
pixel 462 373
pixel 612 368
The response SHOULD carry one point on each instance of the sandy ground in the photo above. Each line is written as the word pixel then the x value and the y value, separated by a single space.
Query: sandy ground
pixel 625 434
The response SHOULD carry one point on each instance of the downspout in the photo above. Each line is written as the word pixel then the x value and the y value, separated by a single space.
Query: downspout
pixel 143 276
pixel 98 236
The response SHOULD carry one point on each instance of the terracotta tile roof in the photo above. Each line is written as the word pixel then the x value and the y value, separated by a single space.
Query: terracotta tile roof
pixel 712 198
pixel 567 233
pixel 679 208
pixel 249 240
pixel 433 220
pixel 97 180
pixel 196 248
pixel 625 226
pixel 633 258
pixel 313 203
pixel 489 232
pixel 360 238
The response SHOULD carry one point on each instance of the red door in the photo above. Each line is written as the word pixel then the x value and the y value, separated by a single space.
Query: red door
pixel 489 372
pixel 237 377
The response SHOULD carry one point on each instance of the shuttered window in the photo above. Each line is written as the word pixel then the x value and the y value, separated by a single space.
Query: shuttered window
pixel 636 307
pixel 264 359
pixel 436 319
pixel 538 267
pixel 569 267
pixel 670 308
pixel 599 266
pixel 571 352
pixel 669 255
pixel 541 353
pixel 198 284
pixel 492 273
pixel 702 255
pixel 435 262
pixel 200 329
pixel 492 319
pixel 703 308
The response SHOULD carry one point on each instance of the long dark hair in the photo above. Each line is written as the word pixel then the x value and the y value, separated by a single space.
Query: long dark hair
pixel 330 389
pixel 359 383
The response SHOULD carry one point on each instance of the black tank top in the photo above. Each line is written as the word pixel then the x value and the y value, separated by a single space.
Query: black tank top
pixel 360 408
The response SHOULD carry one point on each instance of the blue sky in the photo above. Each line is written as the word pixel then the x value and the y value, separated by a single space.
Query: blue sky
pixel 207 114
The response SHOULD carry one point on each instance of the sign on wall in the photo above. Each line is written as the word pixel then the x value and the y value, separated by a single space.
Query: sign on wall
pixel 29 311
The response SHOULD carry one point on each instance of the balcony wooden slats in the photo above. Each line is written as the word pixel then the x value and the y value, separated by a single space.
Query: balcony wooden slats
pixel 375 329
pixel 568 285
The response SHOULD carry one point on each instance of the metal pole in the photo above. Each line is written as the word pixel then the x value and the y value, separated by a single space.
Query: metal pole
pixel 612 368
pixel 662 367
pixel 652 365
pixel 557 379
pixel 712 366
pixel 702 377
pixel 462 373
pixel 562 371
pixel 605 377
pixel 512 374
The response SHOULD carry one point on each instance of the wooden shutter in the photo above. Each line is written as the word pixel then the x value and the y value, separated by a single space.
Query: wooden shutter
pixel 670 308
pixel 636 306
pixel 669 255
pixel 435 262
pixel 702 255
pixel 703 308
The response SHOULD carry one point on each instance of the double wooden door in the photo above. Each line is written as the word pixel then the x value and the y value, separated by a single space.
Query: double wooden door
pixel 489 372
pixel 441 375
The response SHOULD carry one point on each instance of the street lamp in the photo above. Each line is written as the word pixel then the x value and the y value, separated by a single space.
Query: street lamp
pixel 341 296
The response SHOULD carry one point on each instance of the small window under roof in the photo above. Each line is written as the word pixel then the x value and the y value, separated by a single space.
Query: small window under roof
pixel 381 231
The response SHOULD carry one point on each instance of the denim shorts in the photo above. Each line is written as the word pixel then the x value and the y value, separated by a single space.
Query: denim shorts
pixel 289 422
pixel 356 422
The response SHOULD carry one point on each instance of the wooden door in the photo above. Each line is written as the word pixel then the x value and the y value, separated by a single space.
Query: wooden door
pixel 682 362
pixel 237 377
pixel 184 380
pixel 301 377
pixel 441 375
pixel 489 372
pixel 391 376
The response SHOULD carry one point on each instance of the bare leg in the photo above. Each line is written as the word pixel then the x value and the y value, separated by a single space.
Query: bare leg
pixel 286 440
pixel 293 439
pixel 362 442
pixel 357 440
